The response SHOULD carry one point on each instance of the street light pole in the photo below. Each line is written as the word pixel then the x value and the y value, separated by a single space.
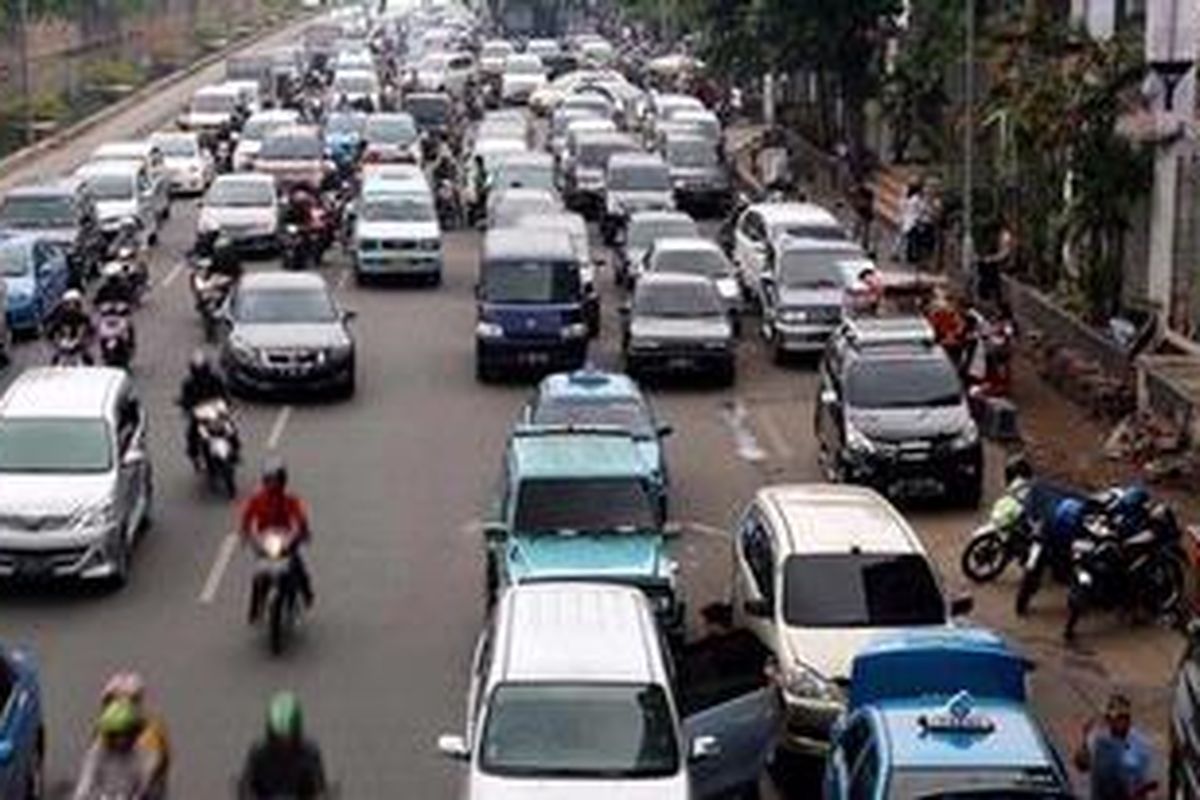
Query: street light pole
pixel 968 242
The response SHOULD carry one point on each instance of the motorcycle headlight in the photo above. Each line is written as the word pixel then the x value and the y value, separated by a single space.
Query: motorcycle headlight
pixel 858 441
pixel 574 330
pixel 489 330
pixel 804 683
pixel 967 437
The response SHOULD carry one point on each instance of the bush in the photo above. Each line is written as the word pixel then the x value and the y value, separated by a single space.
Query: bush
pixel 112 72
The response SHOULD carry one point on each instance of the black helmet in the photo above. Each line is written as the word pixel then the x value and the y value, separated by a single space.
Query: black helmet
pixel 198 364
pixel 275 471
pixel 1017 468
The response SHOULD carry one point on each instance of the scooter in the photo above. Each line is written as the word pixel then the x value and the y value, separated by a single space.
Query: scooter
pixel 129 270
pixel 449 208
pixel 297 251
pixel 217 436
pixel 70 350
pixel 209 290
pixel 115 334
pixel 280 595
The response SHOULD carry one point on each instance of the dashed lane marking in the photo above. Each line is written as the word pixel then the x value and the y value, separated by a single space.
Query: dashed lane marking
pixel 281 421
pixel 745 442
pixel 217 571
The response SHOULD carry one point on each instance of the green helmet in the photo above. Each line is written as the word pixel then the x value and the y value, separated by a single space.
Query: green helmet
pixel 1006 511
pixel 284 718
pixel 118 718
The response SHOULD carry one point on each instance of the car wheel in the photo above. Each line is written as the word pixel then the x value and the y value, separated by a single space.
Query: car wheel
pixel 35 779
pixel 348 388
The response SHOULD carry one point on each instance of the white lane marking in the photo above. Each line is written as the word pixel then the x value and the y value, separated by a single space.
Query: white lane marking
pixel 775 437
pixel 220 564
pixel 171 275
pixel 281 421
pixel 744 440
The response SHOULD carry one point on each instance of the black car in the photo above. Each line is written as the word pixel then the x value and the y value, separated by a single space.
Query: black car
pixel 1184 731
pixel 64 213
pixel 678 323
pixel 895 417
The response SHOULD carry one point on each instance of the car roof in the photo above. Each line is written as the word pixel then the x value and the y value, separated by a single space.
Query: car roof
pixel 567 221
pixel 499 144
pixel 888 331
pixel 672 279
pixel 61 392
pixel 791 212
pixel 636 159
pixel 543 451
pixel 136 149
pixel 685 244
pixel 659 215
pixel 589 383
pixel 522 243
pixel 527 158
pixel 786 244
pixel 110 167
pixel 276 115
pixel 576 632
pixel 276 279
pixel 245 177
pixel 837 518
pixel 394 172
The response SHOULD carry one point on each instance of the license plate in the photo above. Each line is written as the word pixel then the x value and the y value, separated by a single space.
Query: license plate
pixel 914 455
pixel 535 359
pixel 33 566
pixel 679 363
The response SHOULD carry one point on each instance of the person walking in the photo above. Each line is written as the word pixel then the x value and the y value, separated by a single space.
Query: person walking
pixel 1117 756
pixel 991 266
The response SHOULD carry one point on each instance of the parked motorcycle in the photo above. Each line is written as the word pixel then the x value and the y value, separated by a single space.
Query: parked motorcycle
pixel 281 596
pixel 217 436
pixel 115 334
pixel 1004 538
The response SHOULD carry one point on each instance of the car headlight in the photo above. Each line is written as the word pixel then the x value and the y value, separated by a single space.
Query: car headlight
pixel 489 330
pixel 793 316
pixel 574 330
pixel 241 350
pixel 967 437
pixel 100 516
pixel 804 683
pixel 858 441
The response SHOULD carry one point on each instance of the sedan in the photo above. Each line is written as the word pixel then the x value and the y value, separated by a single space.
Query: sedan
pixel 245 208
pixel 35 274
pixel 678 324
pixel 285 332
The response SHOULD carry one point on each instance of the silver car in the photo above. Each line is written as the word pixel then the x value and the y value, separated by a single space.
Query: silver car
pixel 76 487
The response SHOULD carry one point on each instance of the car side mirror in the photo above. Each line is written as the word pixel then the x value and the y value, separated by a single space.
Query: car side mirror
pixel 494 530
pixel 827 397
pixel 133 458
pixel 961 606
pixel 453 746
pixel 757 608
pixel 704 748
pixel 349 315
pixel 665 431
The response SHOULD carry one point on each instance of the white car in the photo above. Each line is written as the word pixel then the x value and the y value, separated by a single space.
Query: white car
pixel 696 255
pixel 396 231
pixel 123 195
pixel 245 207
pixel 493 54
pixel 763 223
pixel 822 569
pixel 189 166
pixel 523 75
pixel 146 153
pixel 356 85
pixel 212 108
pixel 255 130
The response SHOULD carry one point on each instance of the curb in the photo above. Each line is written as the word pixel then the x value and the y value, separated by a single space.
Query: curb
pixel 27 155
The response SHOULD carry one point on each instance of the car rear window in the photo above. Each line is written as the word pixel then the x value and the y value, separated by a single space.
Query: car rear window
pixel 37 212
pixel 306 148
pixel 846 590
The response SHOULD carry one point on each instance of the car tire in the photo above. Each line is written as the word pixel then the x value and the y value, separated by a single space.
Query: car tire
pixel 350 385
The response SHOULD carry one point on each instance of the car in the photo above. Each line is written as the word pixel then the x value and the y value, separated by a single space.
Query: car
pixel 293 156
pixel 391 138
pixel 565 143
pixel 760 224
pixel 78 482
pixel 256 129
pixel 530 304
pixel 698 175
pixel 22 728
pixel 575 226
pixel 802 292
pixel 433 111
pixel 896 418
pixel 523 74
pixel 642 230
pixel 633 182
pixel 942 714
pixel 596 53
pixel 357 86
pixel 245 207
pixel 444 71
pixel 661 106
pixel 485 153
pixel 1183 771
pixel 595 103
pixel 585 165
pixel 63 212
pixel 678 324
pixel 492 55
pixel 255 67
pixel 213 110
pixel 283 333
pixel 508 206
pixel 695 255
pixel 572 693
pixel 606 524
pixel 188 165
pixel 502 127
pixel 528 170
pixel 542 48
pixel 592 397
pixel 821 570
pixel 396 231
pixel 124 197
pixel 145 152
pixel 35 274
pixel 699 122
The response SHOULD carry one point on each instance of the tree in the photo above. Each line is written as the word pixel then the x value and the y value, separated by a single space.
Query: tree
pixel 915 96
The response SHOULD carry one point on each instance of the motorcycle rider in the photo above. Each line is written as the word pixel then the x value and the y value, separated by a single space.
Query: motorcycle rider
pixel 71 320
pixel 116 765
pixel 153 737
pixel 273 508
pixel 202 385
pixel 300 210
pixel 445 174
pixel 284 763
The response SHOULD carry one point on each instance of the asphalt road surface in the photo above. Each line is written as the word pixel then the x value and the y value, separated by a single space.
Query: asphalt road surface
pixel 394 478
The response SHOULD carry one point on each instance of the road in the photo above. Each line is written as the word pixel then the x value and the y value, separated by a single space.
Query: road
pixel 395 478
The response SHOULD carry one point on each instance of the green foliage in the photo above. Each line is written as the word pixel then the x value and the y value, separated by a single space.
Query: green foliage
pixel 111 72
pixel 915 96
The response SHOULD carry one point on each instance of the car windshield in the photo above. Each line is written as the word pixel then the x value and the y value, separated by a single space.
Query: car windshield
pixel 303 148
pixel 392 130
pixel 550 505
pixel 530 176
pixel 37 212
pixel 692 154
pixel 54 445
pixel 677 300
pixel 339 124
pixel 642 233
pixel 14 260
pixel 626 413
pixel 111 187
pixel 585 730
pixel 240 194
pixel 530 282
pixel 595 155
pixel 284 306
pixel 354 83
pixel 902 383
pixel 428 110
pixel 398 208
pixel 178 146
pixel 976 783
pixel 215 103
pixel 867 590
pixel 654 178
pixel 812 269
pixel 708 262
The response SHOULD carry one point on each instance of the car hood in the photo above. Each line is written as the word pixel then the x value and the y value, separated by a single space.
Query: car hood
pixel 207 117
pixel 115 209
pixel 185 162
pixel 672 329
pixel 396 230
pixel 790 297
pixel 32 504
pixel 235 215
pixel 604 555
pixel 829 651
pixel 895 424
pixel 642 201
pixel 291 335
pixel 675 787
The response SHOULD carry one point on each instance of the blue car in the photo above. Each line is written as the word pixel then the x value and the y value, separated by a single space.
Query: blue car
pixel 22 734
pixel 36 274
pixel 942 714
pixel 590 397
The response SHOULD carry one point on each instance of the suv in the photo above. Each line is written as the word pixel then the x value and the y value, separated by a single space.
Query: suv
pixel 62 212
pixel 641 231
pixel 678 323
pixel 699 177
pixel 77 477
pixel 587 157
pixel 895 417
pixel 760 224
pixel 396 231
pixel 820 571
pixel 802 291
pixel 572 694
pixel 1184 730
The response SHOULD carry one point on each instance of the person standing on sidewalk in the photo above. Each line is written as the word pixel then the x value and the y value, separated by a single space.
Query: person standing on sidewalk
pixel 991 266
pixel 1116 754
pixel 863 202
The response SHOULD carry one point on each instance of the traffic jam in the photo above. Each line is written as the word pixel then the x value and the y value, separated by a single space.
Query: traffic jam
pixel 618 264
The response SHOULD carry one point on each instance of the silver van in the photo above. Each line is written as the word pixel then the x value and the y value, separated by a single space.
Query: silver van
pixel 76 485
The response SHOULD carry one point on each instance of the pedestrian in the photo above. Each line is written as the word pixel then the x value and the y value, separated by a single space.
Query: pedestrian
pixel 1117 755
pixel 910 209
pixel 991 266
pixel 949 326
pixel 863 202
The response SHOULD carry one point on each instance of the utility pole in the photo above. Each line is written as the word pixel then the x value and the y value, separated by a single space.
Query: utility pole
pixel 968 240
pixel 26 99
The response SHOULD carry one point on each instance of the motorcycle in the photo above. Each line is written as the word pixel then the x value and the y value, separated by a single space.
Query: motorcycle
pixel 1049 546
pixel 70 350
pixel 129 271
pixel 1004 538
pixel 1141 573
pixel 297 251
pixel 115 334
pixel 217 437
pixel 280 595
pixel 449 209
pixel 209 290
